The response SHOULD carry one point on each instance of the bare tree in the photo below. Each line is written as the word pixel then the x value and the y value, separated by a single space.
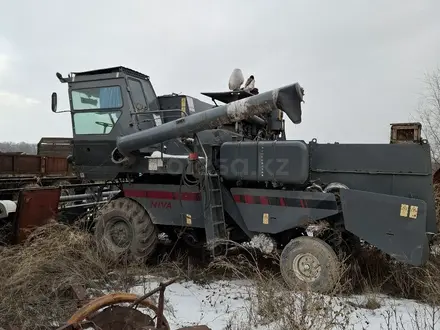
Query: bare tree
pixel 27 148
pixel 429 113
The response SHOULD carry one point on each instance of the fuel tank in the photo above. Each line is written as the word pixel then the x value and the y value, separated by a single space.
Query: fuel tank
pixel 280 161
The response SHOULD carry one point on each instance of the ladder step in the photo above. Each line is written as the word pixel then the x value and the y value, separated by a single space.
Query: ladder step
pixel 214 215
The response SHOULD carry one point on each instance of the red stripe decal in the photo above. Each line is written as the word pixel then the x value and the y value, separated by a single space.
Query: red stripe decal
pixel 302 203
pixel 237 198
pixel 264 200
pixel 135 193
pixel 159 194
pixel 190 196
pixel 248 199
pixel 168 195
pixel 282 201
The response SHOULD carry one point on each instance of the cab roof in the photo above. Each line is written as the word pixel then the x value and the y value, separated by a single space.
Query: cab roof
pixel 116 69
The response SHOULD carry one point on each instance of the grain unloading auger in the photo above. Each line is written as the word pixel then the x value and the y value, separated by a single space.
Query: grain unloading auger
pixel 287 99
pixel 199 173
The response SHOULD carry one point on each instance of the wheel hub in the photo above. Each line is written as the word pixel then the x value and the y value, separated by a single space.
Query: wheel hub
pixel 306 267
pixel 120 233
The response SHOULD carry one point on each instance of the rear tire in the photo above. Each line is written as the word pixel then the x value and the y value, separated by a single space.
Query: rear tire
pixel 308 262
pixel 124 231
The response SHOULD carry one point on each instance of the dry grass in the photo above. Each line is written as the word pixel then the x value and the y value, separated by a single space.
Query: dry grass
pixel 302 309
pixel 437 203
pixel 36 278
pixel 280 308
pixel 274 305
pixel 374 271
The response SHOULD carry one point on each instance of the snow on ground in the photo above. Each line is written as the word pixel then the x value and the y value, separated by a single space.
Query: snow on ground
pixel 212 304
pixel 216 303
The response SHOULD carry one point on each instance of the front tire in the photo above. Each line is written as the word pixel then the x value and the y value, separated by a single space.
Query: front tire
pixel 308 262
pixel 124 231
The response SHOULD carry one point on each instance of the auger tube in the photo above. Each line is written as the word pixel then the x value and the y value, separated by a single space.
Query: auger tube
pixel 287 99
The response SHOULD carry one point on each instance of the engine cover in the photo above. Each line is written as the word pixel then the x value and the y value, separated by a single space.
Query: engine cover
pixel 277 161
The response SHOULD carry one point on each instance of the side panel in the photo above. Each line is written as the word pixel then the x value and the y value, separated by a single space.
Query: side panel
pixel 53 146
pixel 13 164
pixel 274 211
pixel 261 210
pixel 396 225
pixel 57 166
pixel 280 161
pixel 231 208
pixel 169 204
pixel 393 169
pixel 177 106
pixel 16 165
pixel 93 159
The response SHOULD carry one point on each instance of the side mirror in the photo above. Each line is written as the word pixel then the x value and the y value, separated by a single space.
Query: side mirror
pixel 54 101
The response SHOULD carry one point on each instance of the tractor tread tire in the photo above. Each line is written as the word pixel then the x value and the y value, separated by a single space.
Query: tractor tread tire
pixel 330 265
pixel 144 234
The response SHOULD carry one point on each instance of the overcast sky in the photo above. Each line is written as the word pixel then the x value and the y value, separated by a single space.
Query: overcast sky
pixel 361 63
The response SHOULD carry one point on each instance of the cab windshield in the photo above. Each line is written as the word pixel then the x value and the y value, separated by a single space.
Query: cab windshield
pixel 107 100
pixel 97 98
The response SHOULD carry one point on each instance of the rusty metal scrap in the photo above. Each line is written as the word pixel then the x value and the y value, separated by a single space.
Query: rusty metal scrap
pixel 108 300
pixel 35 207
pixel 117 317
pixel 114 316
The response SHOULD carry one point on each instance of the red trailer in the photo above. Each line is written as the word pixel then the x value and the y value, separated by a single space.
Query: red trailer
pixel 48 167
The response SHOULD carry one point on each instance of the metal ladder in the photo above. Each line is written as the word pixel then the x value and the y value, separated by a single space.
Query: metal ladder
pixel 215 224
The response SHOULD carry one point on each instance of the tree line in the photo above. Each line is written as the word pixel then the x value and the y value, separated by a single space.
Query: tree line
pixel 22 147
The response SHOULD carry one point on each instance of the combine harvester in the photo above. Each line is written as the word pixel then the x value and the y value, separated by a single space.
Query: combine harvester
pixel 208 174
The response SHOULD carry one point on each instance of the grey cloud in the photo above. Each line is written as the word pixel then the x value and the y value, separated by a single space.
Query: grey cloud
pixel 359 62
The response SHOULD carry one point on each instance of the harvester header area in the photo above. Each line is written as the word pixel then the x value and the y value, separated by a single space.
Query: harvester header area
pixel 208 173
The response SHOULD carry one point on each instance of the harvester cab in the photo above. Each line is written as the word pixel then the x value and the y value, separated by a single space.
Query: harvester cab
pixel 104 105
